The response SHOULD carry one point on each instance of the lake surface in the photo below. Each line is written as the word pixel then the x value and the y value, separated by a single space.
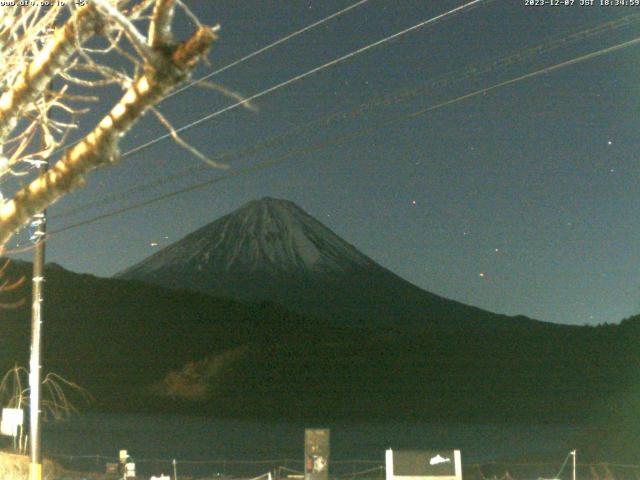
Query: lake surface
pixel 204 446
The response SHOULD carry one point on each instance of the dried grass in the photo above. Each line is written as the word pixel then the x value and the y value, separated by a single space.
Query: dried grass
pixel 16 467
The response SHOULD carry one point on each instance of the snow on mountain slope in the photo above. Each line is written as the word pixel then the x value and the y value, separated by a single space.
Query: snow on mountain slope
pixel 272 250
pixel 266 236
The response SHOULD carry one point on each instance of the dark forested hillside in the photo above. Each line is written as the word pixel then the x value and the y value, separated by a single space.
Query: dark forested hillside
pixel 140 347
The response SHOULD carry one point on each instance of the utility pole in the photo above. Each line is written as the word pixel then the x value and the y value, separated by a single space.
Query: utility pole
pixel 39 222
pixel 35 469
pixel 573 476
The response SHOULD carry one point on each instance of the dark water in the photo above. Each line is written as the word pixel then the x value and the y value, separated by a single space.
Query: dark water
pixel 207 446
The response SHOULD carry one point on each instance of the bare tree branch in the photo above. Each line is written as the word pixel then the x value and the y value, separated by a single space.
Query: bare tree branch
pixel 160 28
pixel 189 148
pixel 132 33
pixel 35 117
pixel 100 147
pixel 36 76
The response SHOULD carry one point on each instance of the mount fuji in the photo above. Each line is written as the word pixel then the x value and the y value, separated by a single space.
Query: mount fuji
pixel 272 250
pixel 313 330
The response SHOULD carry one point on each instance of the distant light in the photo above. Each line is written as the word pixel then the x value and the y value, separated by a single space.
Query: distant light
pixel 481 274
pixel 609 142
pixel 153 244
pixel 413 202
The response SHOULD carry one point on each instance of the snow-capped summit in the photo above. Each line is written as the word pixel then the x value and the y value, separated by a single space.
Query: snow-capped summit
pixel 272 250
pixel 267 236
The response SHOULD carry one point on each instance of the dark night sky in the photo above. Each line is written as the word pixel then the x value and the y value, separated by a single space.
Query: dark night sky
pixel 522 200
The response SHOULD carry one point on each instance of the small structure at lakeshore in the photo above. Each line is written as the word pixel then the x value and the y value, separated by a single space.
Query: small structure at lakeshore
pixel 423 465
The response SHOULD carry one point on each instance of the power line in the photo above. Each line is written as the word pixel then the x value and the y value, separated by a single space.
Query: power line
pixel 244 59
pixel 461 8
pixel 308 73
pixel 344 138
pixel 263 49
pixel 557 66
pixel 553 43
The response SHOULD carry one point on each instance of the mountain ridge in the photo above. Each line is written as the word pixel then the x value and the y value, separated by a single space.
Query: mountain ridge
pixel 144 348
pixel 246 238
pixel 272 250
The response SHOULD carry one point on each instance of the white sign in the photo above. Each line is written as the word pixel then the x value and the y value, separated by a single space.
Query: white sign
pixel 12 418
pixel 130 470
pixel 161 477
pixel 423 465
